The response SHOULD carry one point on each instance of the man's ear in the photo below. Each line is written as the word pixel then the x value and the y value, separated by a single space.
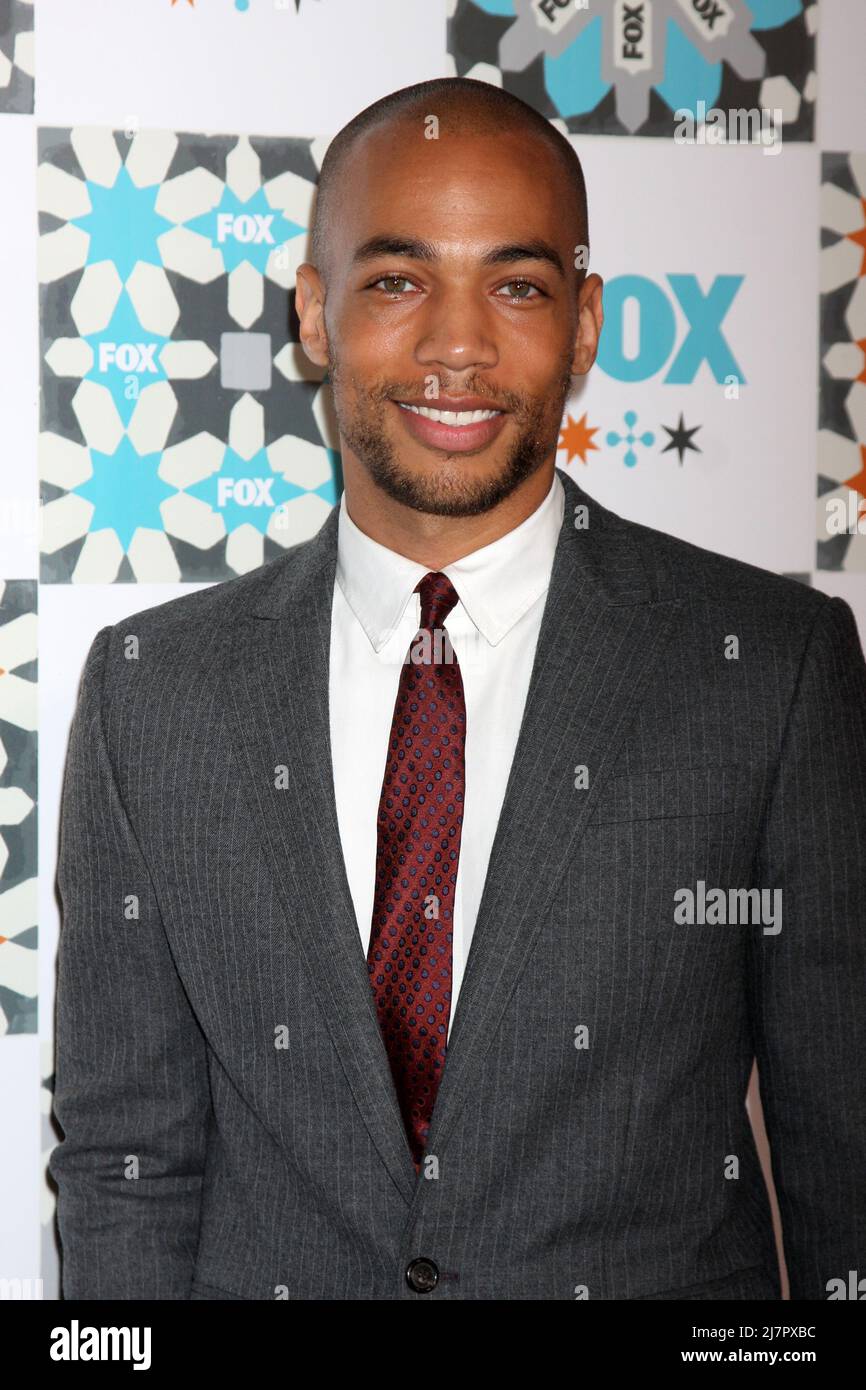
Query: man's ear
pixel 310 308
pixel 589 325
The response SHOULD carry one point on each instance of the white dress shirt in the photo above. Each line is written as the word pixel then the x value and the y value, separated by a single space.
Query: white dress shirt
pixel 493 630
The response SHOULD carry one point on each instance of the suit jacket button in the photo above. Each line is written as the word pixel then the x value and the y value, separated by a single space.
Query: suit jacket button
pixel 422 1275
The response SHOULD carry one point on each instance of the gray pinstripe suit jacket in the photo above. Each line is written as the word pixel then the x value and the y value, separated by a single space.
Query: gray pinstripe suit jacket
pixel 215 1026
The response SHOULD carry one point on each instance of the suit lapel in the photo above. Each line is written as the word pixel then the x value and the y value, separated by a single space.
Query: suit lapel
pixel 278 692
pixel 602 630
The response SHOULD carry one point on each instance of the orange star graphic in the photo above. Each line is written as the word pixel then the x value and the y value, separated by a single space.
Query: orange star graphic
pixel 576 438
pixel 189 2
pixel 859 238
pixel 858 482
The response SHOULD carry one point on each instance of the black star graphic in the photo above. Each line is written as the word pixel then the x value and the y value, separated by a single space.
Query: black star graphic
pixel 681 438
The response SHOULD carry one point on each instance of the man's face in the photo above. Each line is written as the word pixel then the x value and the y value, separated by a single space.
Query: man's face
pixel 419 317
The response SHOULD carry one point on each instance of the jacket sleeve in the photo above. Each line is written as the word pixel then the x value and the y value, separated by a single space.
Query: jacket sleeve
pixel 809 980
pixel 131 1088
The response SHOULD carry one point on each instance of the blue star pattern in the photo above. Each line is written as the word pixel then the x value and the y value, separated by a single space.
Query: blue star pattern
pixel 125 360
pixel 122 224
pixel 245 231
pixel 626 69
pixel 248 490
pixel 185 436
pixel 125 491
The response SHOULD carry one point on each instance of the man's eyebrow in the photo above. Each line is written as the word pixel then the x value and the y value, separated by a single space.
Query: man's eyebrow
pixel 418 250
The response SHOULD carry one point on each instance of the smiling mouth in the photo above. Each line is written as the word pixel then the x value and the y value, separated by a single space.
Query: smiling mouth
pixel 450 431
pixel 455 418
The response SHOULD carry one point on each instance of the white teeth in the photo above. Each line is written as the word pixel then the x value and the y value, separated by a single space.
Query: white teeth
pixel 451 417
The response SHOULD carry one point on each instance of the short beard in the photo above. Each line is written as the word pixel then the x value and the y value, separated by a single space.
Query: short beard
pixel 539 421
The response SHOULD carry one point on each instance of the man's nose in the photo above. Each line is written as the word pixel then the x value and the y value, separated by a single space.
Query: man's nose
pixel 458 332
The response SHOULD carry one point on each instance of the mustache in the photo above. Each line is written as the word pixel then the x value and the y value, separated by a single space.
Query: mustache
pixel 498 397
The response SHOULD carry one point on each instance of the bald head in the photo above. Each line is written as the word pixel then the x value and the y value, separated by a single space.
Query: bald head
pixel 461 107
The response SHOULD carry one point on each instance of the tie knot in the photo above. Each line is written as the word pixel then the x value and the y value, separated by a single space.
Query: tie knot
pixel 438 597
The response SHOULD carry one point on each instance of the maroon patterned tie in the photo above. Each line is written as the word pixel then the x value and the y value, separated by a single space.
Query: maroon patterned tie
pixel 417 855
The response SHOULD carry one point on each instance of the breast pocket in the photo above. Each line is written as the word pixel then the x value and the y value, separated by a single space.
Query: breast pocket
pixel 669 793
pixel 653 840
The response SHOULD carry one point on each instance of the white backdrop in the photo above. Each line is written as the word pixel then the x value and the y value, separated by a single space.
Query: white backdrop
pixel 297 71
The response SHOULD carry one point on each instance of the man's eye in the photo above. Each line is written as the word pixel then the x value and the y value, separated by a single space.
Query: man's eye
pixel 391 283
pixel 524 285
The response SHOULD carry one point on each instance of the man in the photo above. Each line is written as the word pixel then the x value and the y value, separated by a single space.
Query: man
pixel 430 890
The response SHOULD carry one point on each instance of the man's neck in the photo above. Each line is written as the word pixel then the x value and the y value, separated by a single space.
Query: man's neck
pixel 436 541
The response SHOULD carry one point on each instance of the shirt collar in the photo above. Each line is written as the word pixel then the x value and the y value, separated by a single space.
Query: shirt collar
pixel 496 584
